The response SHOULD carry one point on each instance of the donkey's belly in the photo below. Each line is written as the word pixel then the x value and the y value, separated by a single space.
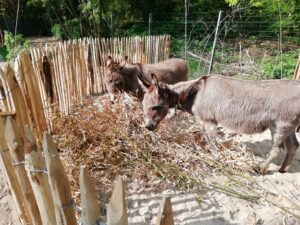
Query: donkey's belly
pixel 245 126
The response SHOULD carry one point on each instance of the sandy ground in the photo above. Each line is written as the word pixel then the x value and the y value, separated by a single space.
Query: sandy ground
pixel 216 208
pixel 8 214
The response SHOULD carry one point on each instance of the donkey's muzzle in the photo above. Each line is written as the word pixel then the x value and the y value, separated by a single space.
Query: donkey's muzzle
pixel 151 126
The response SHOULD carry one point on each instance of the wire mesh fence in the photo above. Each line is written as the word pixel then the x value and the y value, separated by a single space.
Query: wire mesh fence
pixel 249 42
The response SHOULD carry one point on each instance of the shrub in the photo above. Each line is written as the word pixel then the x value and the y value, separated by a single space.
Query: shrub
pixel 272 68
pixel 15 44
pixel 3 53
pixel 70 29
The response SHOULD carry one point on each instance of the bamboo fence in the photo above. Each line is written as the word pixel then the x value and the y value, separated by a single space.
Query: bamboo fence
pixel 61 74
pixel 70 70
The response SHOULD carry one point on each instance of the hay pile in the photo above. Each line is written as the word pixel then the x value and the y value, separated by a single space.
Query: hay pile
pixel 111 140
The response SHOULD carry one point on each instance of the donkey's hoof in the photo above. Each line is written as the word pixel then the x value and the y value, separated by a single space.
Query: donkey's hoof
pixel 260 169
pixel 285 168
pixel 256 168
pixel 282 171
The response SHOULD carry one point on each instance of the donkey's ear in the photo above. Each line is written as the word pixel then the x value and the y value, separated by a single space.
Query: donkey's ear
pixel 144 83
pixel 154 80
pixel 109 61
pixel 123 62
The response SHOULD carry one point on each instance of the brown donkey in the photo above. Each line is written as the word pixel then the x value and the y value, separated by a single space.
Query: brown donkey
pixel 125 77
pixel 244 106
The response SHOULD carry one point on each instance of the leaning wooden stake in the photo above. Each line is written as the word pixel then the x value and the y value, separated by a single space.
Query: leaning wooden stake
pixel 39 179
pixel 297 70
pixel 214 44
pixel 59 183
pixel 90 214
pixel 116 210
pixel 165 212
pixel 16 148
pixel 14 185
pixel 16 97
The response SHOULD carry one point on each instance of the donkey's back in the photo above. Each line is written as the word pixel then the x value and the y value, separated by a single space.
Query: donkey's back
pixel 170 71
pixel 235 102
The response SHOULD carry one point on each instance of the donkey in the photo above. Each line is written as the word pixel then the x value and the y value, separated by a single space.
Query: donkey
pixel 244 106
pixel 128 77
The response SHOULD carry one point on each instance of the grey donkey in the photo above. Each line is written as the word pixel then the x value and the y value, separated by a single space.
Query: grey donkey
pixel 240 105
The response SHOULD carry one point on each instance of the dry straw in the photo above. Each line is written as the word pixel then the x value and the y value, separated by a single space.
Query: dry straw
pixel 111 140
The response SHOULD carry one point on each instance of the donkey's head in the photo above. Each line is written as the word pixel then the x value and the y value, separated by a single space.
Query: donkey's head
pixel 114 79
pixel 156 103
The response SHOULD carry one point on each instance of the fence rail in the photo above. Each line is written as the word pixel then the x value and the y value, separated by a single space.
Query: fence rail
pixel 39 185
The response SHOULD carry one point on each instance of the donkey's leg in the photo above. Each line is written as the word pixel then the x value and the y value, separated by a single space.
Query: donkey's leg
pixel 278 145
pixel 211 129
pixel 291 146
pixel 112 98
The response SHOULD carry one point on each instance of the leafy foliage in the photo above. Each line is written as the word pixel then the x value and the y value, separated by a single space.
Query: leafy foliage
pixel 3 53
pixel 131 17
pixel 272 66
pixel 69 29
pixel 15 44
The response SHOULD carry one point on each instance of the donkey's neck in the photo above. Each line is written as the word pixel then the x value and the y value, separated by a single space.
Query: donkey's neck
pixel 183 86
pixel 131 69
pixel 130 74
pixel 184 94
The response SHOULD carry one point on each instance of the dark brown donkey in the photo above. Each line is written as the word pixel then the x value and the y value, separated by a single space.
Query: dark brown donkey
pixel 244 106
pixel 125 77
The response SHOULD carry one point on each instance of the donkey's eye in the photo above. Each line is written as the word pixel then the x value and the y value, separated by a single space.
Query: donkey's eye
pixel 110 81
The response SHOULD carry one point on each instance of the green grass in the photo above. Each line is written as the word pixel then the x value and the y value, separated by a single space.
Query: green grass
pixel 193 68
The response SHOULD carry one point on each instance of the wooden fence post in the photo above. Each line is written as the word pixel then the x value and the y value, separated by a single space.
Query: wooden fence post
pixel 16 97
pixel 3 103
pixel 117 210
pixel 16 148
pixel 14 185
pixel 34 95
pixel 297 70
pixel 3 82
pixel 59 183
pixel 38 178
pixel 165 212
pixel 90 214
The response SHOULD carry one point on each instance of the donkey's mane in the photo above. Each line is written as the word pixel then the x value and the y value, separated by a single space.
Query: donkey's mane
pixel 114 67
pixel 187 86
